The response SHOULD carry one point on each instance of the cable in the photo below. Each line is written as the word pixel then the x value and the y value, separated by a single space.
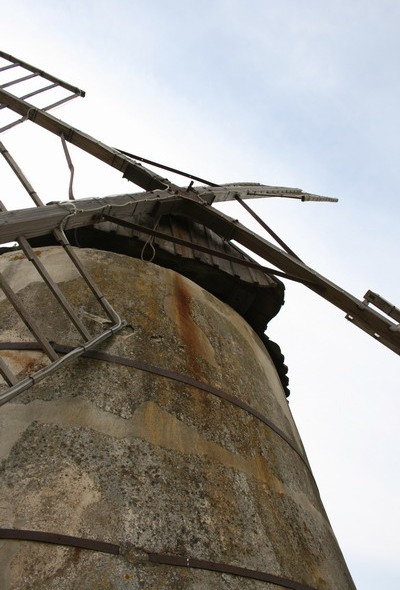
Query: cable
pixel 70 166
pixel 163 167
pixel 266 227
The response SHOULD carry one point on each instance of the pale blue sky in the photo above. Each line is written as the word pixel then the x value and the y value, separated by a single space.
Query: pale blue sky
pixel 294 93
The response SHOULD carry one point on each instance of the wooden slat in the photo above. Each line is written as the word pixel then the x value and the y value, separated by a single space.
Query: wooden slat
pixel 44 220
pixel 40 221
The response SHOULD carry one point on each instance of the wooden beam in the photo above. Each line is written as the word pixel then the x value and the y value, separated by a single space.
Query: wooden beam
pixel 130 169
pixel 44 220
pixel 40 221
pixel 356 310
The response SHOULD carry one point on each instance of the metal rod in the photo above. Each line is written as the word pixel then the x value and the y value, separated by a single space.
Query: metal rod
pixel 36 222
pixel 130 169
pixel 28 321
pixel 266 227
pixel 18 80
pixel 181 378
pixel 62 239
pixel 381 303
pixel 60 236
pixel 42 74
pixel 218 254
pixel 225 568
pixel 164 167
pixel 59 102
pixel 70 166
pixel 8 375
pixel 13 124
pixel 34 93
pixel 39 91
pixel 57 539
pixel 21 177
pixel 60 362
pixel 54 288
pixel 4 68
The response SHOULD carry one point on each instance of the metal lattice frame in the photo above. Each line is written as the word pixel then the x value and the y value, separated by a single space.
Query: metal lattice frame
pixel 161 198
pixel 22 72
pixel 17 386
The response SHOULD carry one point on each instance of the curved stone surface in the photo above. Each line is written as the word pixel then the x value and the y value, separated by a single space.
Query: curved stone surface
pixel 113 453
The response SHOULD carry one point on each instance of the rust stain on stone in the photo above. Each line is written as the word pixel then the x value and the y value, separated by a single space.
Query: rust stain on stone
pixel 95 453
pixel 187 327
pixel 22 256
pixel 29 362
pixel 162 429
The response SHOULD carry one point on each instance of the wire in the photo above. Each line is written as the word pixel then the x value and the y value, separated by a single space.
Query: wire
pixel 266 227
pixel 149 242
pixel 163 167
pixel 70 166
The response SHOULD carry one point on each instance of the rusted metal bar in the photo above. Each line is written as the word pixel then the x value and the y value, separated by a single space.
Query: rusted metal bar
pixel 226 568
pixel 57 539
pixel 158 558
pixel 18 387
pixel 30 254
pixel 70 356
pixel 12 124
pixel 185 379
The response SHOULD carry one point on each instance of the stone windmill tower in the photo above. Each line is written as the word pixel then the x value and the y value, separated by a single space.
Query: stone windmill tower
pixel 146 438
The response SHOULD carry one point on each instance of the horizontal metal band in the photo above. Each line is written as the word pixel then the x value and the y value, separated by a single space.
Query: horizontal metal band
pixel 104 356
pixel 56 539
pixel 159 558
pixel 226 569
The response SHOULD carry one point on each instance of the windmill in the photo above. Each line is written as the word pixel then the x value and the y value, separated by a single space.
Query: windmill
pixel 179 229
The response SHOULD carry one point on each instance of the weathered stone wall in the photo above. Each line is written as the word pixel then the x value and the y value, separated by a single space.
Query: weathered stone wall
pixel 110 452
